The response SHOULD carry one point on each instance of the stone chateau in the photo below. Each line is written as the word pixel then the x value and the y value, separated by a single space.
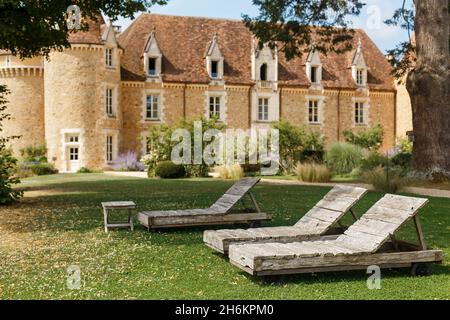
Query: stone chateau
pixel 98 98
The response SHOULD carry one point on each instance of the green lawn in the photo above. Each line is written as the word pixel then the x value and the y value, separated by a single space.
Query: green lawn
pixel 59 223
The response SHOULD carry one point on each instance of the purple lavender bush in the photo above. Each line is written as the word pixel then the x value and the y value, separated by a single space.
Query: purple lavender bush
pixel 128 162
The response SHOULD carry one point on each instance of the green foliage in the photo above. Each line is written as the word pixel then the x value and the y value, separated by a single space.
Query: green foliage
pixel 343 158
pixel 7 162
pixel 312 172
pixel 387 180
pixel 296 141
pixel 161 145
pixel 7 179
pixel 372 161
pixel 402 159
pixel 169 170
pixel 370 139
pixel 39 169
pixel 30 28
pixel 84 170
pixel 287 25
pixel 405 145
pixel 34 154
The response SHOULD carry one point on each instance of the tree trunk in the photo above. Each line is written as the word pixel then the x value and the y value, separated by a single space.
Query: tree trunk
pixel 429 87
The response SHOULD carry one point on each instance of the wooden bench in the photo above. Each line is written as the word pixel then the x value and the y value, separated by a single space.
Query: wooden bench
pixel 118 205
pixel 369 241
pixel 221 212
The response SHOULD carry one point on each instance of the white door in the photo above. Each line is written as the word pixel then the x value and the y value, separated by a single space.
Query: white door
pixel 73 158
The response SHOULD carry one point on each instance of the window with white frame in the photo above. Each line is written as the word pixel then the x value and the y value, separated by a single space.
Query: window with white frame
pixel 72 138
pixel 74 153
pixel 109 102
pixel 109 149
pixel 313 111
pixel 151 111
pixel 214 107
pixel 109 57
pixel 360 77
pixel 263 109
pixel 359 113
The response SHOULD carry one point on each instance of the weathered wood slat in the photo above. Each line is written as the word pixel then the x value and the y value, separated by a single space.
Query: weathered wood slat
pixel 119 205
pixel 346 191
pixel 200 220
pixel 325 215
pixel 342 204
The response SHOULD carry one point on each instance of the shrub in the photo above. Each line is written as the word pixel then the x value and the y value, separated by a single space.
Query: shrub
pixel 370 139
pixel 402 159
pixel 405 145
pixel 85 170
pixel 7 178
pixel 161 145
pixel 34 154
pixel 372 161
pixel 342 158
pixel 233 172
pixel 385 179
pixel 312 172
pixel 128 162
pixel 7 162
pixel 294 141
pixel 42 169
pixel 170 170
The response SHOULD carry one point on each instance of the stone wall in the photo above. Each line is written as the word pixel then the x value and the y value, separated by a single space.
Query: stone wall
pixel 404 111
pixel 336 112
pixel 25 105
pixel 75 84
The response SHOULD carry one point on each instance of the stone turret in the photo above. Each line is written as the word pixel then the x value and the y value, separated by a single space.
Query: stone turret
pixel 82 94
pixel 24 79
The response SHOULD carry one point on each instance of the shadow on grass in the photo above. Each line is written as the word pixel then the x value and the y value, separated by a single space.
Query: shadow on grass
pixel 342 276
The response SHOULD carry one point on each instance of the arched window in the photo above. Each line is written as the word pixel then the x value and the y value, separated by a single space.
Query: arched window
pixel 263 72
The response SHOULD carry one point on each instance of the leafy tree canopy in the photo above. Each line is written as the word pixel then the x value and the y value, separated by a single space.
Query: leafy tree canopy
pixel 286 24
pixel 29 28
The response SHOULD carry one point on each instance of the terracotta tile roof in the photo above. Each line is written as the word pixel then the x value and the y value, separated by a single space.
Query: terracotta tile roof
pixel 92 36
pixel 184 41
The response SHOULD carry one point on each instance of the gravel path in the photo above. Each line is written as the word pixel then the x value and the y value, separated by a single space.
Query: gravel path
pixel 420 191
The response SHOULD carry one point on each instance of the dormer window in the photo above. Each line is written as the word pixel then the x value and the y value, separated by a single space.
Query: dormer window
pixel 152 57
pixel 359 67
pixel 214 60
pixel 214 69
pixel 314 67
pixel 152 67
pixel 263 72
pixel 264 65
pixel 360 77
pixel 314 74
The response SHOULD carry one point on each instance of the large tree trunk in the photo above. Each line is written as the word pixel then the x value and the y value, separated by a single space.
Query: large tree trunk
pixel 429 87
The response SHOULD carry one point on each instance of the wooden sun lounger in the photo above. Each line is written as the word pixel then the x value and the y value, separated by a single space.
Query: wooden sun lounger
pixel 316 223
pixel 369 241
pixel 221 212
